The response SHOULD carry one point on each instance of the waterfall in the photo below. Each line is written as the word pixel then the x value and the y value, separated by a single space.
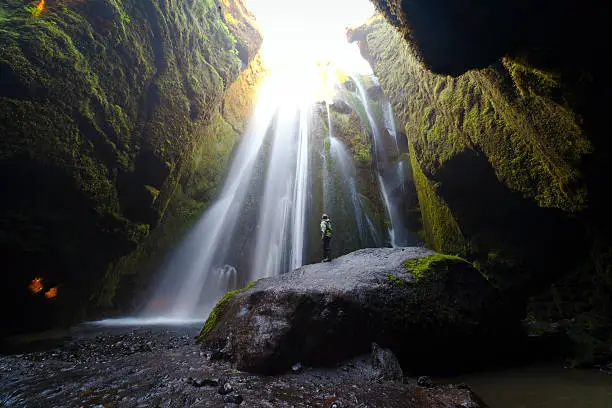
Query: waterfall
pixel 342 166
pixel 192 273
pixel 283 171
pixel 273 247
pixel 301 191
pixel 365 227
pixel 390 176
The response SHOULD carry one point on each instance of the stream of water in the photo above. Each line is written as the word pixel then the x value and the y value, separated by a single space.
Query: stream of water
pixel 288 169
pixel 390 174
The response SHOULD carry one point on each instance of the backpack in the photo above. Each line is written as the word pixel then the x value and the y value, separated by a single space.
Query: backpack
pixel 328 228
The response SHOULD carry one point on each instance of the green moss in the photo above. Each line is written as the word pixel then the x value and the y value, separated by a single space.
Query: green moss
pixel 153 191
pixel 422 268
pixel 327 146
pixel 511 112
pixel 350 130
pixel 123 99
pixel 214 313
pixel 395 281
pixel 442 233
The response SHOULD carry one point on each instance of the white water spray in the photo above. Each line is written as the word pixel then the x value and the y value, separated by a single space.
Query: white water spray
pixel 257 226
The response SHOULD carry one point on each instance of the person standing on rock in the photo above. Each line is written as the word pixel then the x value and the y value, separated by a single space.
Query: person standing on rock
pixel 326 234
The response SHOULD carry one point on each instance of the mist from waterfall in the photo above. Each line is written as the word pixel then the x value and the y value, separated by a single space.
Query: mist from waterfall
pixel 287 170
pixel 265 192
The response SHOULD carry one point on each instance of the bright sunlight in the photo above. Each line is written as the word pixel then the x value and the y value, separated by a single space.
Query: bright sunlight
pixel 300 33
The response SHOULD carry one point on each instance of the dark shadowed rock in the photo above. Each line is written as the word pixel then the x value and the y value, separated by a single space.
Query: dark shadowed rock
pixel 233 399
pixel 385 362
pixel 204 382
pixel 425 381
pixel 375 93
pixel 430 310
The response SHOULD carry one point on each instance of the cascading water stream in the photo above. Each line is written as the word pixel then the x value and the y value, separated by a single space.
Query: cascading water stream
pixel 342 161
pixel 301 191
pixel 197 270
pixel 392 129
pixel 200 270
pixel 285 183
pixel 257 225
pixel 383 167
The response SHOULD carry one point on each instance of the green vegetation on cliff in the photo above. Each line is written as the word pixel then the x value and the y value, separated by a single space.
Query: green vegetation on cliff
pixel 440 230
pixel 493 110
pixel 507 169
pixel 112 118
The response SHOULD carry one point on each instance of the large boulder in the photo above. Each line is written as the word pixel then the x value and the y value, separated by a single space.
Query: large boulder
pixel 431 310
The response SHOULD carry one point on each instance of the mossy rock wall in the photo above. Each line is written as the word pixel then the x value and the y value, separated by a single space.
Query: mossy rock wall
pixel 504 124
pixel 508 169
pixel 117 120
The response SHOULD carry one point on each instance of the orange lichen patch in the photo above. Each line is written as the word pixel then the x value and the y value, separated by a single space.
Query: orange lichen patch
pixel 51 293
pixel 39 8
pixel 36 285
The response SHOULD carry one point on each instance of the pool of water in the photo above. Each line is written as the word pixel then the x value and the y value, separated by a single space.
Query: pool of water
pixel 541 387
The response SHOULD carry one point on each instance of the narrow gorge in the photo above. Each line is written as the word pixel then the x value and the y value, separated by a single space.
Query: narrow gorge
pixel 166 165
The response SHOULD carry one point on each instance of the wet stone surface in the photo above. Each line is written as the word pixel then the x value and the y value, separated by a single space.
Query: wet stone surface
pixel 163 367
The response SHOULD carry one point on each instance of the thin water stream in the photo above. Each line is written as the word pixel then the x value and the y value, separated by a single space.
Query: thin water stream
pixel 390 174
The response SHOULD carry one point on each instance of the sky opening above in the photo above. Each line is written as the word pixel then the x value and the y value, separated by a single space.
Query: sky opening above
pixel 298 34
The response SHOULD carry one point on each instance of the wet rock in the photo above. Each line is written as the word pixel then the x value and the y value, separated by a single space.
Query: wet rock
pixel 385 362
pixel 341 107
pixel 350 85
pixel 144 380
pixel 233 399
pixel 225 389
pixel 375 93
pixel 424 381
pixel 322 314
pixel 205 382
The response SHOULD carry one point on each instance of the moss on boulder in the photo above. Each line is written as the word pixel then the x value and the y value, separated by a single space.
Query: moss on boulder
pixel 211 320
pixel 423 268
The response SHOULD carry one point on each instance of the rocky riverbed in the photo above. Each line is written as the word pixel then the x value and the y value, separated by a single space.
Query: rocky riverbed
pixel 162 366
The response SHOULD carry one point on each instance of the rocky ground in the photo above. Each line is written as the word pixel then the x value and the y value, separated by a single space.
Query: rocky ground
pixel 164 367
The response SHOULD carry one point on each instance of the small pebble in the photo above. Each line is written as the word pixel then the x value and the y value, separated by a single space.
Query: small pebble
pixel 233 399
pixel 225 389
pixel 425 381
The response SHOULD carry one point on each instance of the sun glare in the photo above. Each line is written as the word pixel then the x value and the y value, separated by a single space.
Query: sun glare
pixel 301 33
